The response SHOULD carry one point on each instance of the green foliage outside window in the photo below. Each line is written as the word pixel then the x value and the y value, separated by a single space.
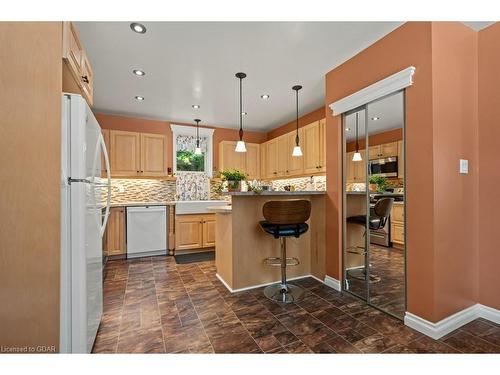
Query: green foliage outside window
pixel 188 161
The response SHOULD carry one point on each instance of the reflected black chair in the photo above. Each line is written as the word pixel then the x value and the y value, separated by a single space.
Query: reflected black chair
pixel 285 218
pixel 379 215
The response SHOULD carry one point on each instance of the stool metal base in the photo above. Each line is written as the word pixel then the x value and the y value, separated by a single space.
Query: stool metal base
pixel 284 293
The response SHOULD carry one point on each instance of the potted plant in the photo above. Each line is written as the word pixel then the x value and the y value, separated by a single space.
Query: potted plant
pixel 378 183
pixel 233 178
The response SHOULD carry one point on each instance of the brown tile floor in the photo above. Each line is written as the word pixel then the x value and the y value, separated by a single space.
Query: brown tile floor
pixel 387 292
pixel 153 305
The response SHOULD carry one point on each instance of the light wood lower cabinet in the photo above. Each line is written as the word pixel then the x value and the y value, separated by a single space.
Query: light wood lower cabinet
pixel 194 231
pixel 114 237
pixel 398 224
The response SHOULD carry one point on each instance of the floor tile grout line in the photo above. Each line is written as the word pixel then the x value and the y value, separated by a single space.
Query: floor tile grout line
pixel 123 307
pixel 479 337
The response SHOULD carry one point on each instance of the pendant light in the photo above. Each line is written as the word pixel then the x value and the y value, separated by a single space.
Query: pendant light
pixel 357 155
pixel 197 151
pixel 297 150
pixel 240 146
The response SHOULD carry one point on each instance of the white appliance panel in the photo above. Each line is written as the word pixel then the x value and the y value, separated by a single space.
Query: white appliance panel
pixel 146 231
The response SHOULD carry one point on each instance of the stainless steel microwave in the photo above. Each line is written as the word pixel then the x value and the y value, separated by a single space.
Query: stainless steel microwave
pixel 387 167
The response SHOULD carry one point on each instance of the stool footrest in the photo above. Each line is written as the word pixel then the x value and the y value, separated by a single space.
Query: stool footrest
pixel 276 262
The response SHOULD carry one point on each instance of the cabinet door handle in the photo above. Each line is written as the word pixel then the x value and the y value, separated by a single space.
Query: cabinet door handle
pixel 85 79
pixel 138 171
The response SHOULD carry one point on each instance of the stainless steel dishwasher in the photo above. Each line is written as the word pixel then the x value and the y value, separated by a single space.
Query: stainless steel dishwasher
pixel 146 231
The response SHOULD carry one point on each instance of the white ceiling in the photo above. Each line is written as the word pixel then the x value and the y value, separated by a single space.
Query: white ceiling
pixel 389 110
pixel 194 63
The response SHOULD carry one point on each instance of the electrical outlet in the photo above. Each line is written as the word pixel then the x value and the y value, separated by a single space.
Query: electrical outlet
pixel 464 166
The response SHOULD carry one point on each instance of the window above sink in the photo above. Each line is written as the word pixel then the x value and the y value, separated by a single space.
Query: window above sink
pixel 184 144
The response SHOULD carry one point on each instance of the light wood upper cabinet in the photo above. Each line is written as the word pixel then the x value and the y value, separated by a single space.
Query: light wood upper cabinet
pixel 314 148
pixel 355 170
pixel 401 160
pixel 383 151
pixel 78 77
pixel 125 153
pixel 272 158
pixel 263 170
pixel 295 163
pixel 282 155
pixel 137 154
pixel 252 162
pixel 322 145
pixel 248 162
pixel 114 238
pixel 194 231
pixel 105 135
pixel 153 155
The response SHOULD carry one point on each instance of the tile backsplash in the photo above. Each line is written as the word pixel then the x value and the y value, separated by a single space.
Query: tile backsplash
pixel 300 183
pixel 142 190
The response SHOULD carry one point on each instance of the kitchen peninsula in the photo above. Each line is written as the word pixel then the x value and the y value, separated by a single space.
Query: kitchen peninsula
pixel 242 246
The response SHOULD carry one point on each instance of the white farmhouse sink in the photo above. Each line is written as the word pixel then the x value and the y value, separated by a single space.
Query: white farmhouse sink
pixel 196 207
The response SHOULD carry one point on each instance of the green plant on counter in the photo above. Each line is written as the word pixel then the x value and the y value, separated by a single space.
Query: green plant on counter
pixel 380 181
pixel 232 175
pixel 255 189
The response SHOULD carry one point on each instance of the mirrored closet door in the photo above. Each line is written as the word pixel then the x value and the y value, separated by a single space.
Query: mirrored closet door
pixel 374 204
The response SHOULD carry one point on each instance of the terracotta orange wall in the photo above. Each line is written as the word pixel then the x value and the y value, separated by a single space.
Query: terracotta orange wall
pixel 377 139
pixel 489 179
pixel 441 128
pixel 315 115
pixel 408 45
pixel 163 127
pixel 454 94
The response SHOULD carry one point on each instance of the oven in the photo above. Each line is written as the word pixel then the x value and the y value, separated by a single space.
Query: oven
pixel 387 167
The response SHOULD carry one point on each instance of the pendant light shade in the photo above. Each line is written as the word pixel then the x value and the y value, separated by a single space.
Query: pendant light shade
pixel 197 150
pixel 297 151
pixel 357 154
pixel 240 146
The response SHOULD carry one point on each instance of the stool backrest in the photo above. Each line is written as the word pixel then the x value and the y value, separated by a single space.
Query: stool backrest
pixel 293 211
pixel 383 207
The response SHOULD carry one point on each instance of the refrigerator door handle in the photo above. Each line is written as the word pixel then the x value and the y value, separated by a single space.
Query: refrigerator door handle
pixel 108 176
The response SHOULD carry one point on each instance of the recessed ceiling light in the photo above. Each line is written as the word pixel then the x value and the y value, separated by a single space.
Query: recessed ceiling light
pixel 139 98
pixel 265 96
pixel 138 28
pixel 139 72
pixel 195 106
pixel 347 129
pixel 375 118
pixel 244 113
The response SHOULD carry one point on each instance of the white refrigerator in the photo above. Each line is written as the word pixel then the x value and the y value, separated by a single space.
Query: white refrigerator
pixel 83 221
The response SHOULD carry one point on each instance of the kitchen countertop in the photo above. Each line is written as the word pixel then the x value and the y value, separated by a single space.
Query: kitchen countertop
pixel 130 204
pixel 265 192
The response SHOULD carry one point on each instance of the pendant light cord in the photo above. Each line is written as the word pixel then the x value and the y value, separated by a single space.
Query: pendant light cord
pixel 297 117
pixel 241 109
pixel 197 133
pixel 357 145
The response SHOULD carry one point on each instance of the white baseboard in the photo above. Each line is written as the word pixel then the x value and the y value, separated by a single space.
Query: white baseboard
pixel 261 285
pixel 452 322
pixel 488 313
pixel 332 283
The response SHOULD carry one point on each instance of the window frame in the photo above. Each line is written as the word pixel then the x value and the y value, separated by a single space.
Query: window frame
pixel 191 131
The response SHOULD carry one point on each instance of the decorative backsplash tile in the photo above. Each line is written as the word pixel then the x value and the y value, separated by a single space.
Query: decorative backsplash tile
pixel 141 190
pixel 300 183
pixel 192 186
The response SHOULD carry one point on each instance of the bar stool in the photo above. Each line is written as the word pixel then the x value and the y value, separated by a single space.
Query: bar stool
pixel 379 216
pixel 284 219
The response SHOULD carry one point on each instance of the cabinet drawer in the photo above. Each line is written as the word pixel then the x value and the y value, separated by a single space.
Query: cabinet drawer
pixel 398 213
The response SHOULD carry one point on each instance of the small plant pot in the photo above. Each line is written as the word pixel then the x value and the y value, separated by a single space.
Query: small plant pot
pixel 373 187
pixel 233 185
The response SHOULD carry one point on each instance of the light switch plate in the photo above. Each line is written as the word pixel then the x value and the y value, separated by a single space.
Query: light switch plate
pixel 464 166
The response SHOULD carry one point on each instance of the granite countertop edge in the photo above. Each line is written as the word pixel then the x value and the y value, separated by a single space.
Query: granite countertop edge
pixel 251 194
